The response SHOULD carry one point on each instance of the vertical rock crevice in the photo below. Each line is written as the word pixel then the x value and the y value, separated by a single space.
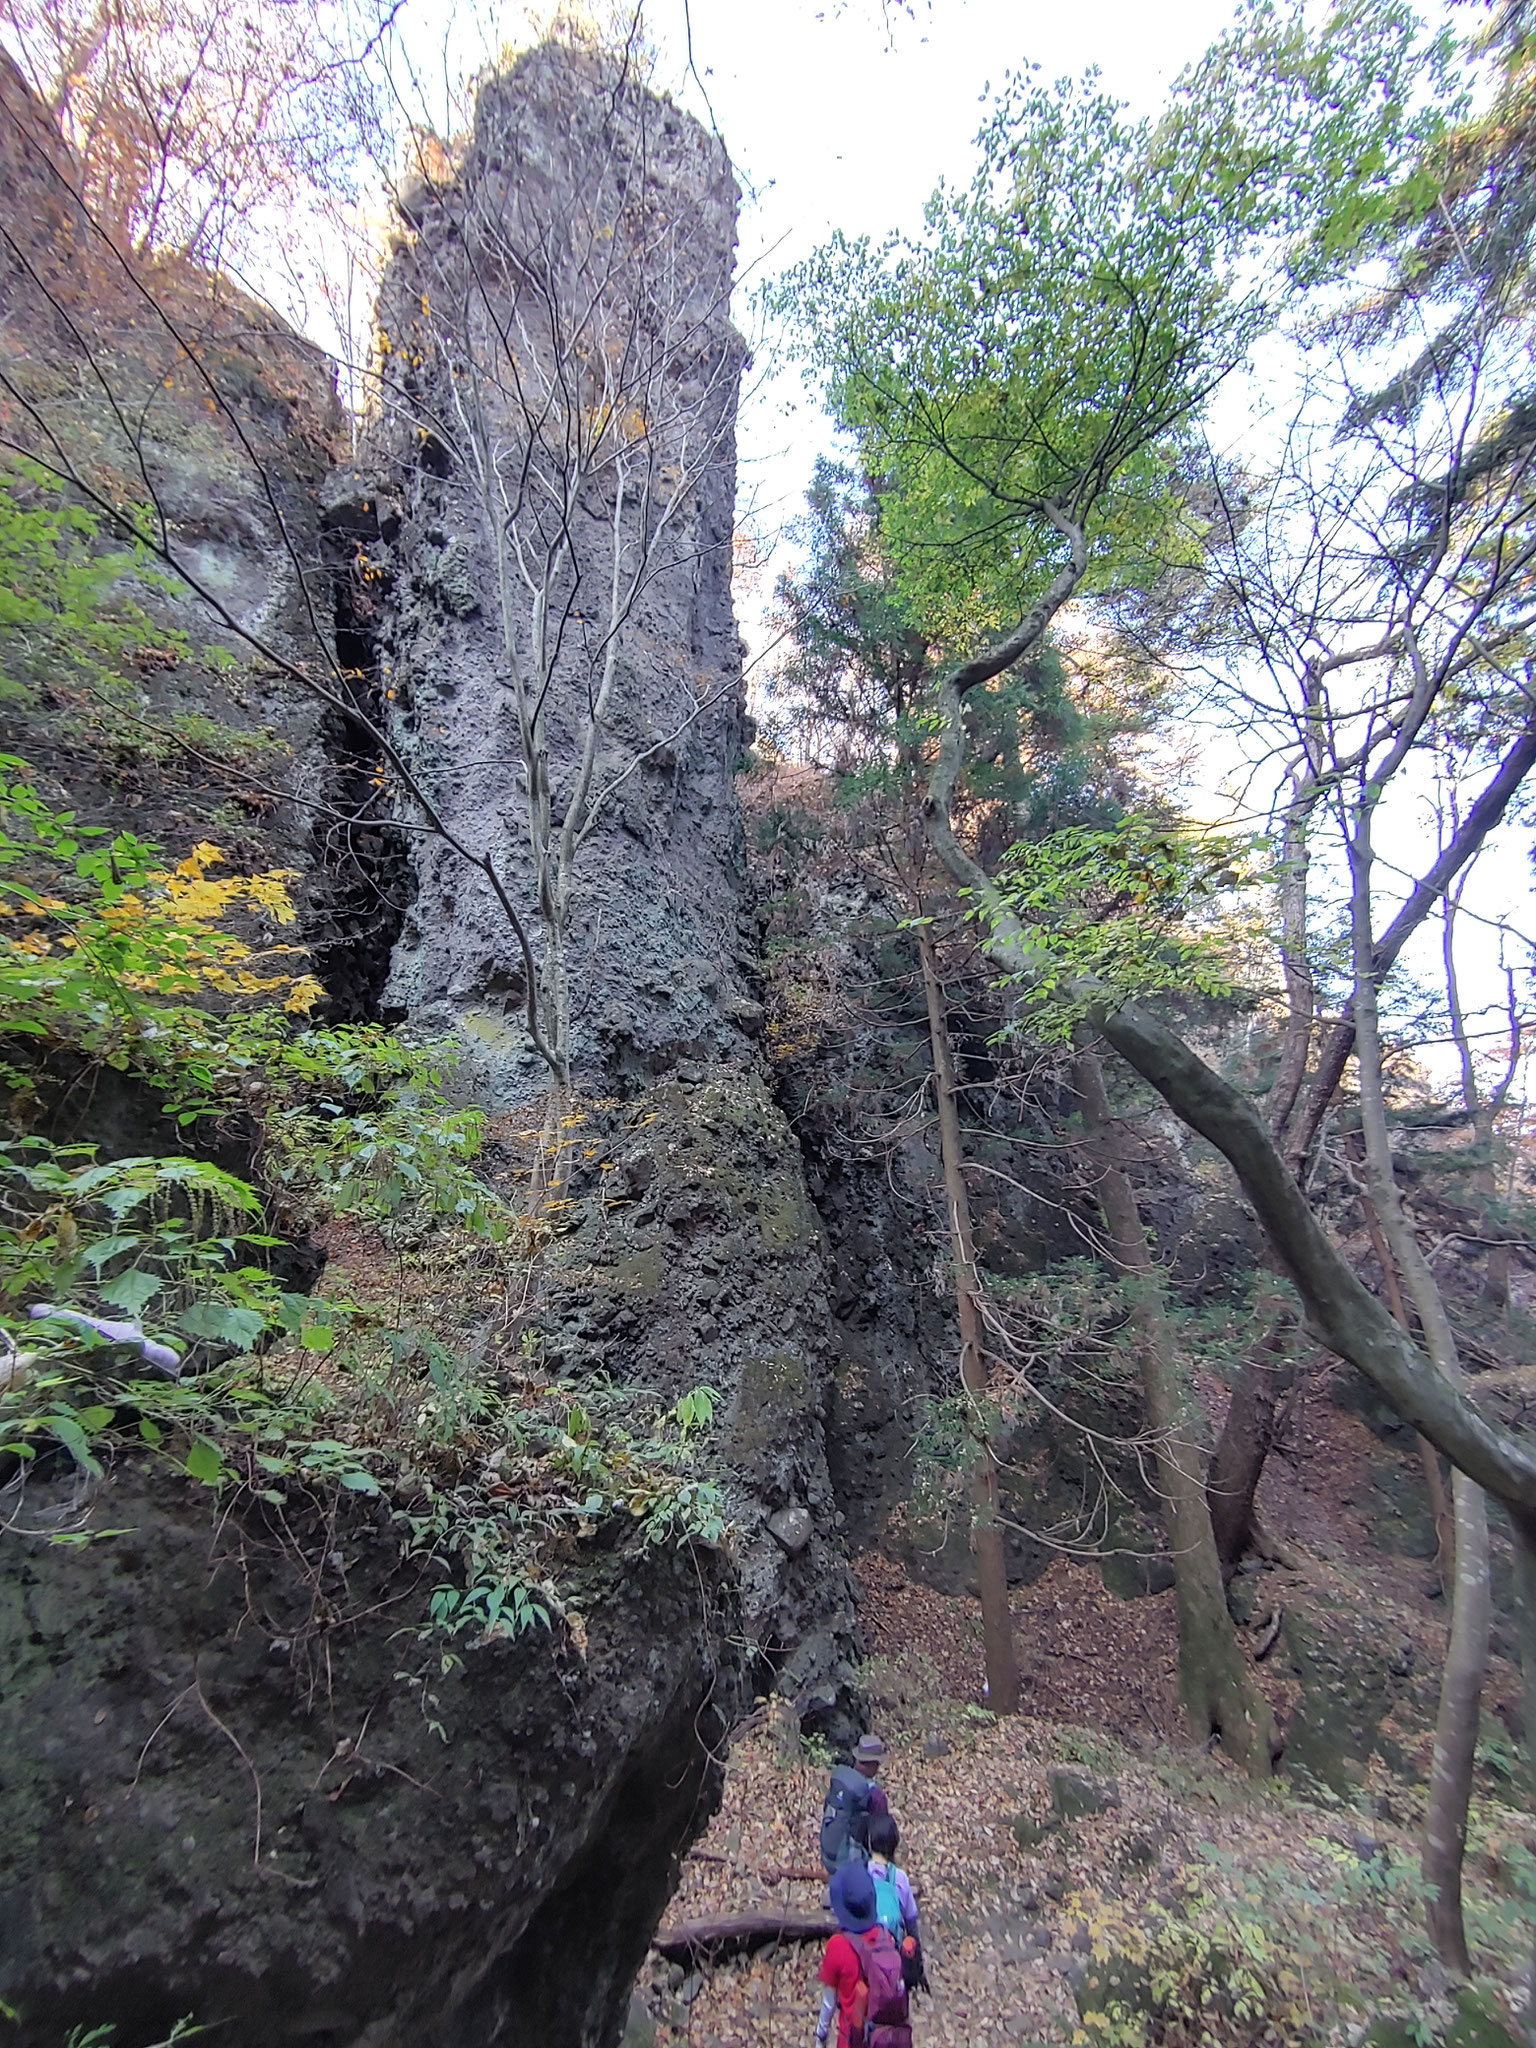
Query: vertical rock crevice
pixel 360 880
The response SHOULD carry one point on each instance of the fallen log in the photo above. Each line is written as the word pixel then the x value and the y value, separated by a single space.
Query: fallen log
pixel 693 1941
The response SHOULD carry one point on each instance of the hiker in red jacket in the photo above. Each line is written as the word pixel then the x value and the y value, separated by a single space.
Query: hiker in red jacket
pixel 861 1971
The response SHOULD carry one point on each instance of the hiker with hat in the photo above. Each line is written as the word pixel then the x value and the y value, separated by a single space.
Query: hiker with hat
pixel 861 1970
pixel 853 1798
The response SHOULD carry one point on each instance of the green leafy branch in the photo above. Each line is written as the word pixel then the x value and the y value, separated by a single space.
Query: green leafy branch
pixel 1128 909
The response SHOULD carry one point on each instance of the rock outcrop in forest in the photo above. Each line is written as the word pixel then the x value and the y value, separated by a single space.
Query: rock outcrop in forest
pixel 689 1251
pixel 220 1804
pixel 478 1852
pixel 542 1232
pixel 545 513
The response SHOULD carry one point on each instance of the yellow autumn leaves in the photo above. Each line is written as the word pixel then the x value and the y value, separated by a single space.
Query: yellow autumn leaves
pixel 166 937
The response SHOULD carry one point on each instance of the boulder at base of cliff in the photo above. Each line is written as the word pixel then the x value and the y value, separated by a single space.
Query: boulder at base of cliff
pixel 244 1783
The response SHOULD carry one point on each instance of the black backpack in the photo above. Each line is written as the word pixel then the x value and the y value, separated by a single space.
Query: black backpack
pixel 914 1974
pixel 845 1817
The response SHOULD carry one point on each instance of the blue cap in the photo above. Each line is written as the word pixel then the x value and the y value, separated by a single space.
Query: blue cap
pixel 852 1892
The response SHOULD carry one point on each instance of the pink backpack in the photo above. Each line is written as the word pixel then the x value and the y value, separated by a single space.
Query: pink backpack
pixel 885 2022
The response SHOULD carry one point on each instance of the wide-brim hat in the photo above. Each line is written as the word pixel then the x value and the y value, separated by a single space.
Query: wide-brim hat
pixel 868 1750
pixel 852 1892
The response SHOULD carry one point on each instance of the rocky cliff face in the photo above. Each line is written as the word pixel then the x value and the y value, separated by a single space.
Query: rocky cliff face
pixel 484 1864
pixel 341 1838
pixel 695 1256
pixel 499 1884
pixel 161 387
pixel 585 219
pixel 691 1254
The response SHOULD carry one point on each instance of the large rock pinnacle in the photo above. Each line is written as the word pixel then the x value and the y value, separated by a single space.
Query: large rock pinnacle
pixel 555 470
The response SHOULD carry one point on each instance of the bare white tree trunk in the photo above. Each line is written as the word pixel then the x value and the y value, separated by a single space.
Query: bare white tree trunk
pixel 1450 1784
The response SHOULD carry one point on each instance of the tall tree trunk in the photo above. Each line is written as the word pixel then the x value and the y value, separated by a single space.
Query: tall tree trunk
pixel 1220 1695
pixel 1461 1692
pixel 555 998
pixel 1483 1109
pixel 1267 1373
pixel 1295 957
pixel 1429 1457
pixel 1450 1782
pixel 986 1528
pixel 1247 1437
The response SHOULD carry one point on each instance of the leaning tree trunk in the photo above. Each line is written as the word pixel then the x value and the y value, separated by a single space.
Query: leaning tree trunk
pixel 986 1528
pixel 1456 1725
pixel 1295 958
pixel 1429 1458
pixel 1347 1318
pixel 1268 1373
pixel 1220 1695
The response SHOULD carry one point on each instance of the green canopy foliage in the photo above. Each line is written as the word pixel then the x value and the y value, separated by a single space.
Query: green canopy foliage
pixel 1024 369
pixel 1046 750
pixel 1131 910
pixel 857 662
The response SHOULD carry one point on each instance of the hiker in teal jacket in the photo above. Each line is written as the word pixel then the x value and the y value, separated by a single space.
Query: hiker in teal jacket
pixel 894 1903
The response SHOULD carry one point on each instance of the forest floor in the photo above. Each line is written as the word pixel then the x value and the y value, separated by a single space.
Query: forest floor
pixel 1296 1912
pixel 1292 1912
pixel 1305 1911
